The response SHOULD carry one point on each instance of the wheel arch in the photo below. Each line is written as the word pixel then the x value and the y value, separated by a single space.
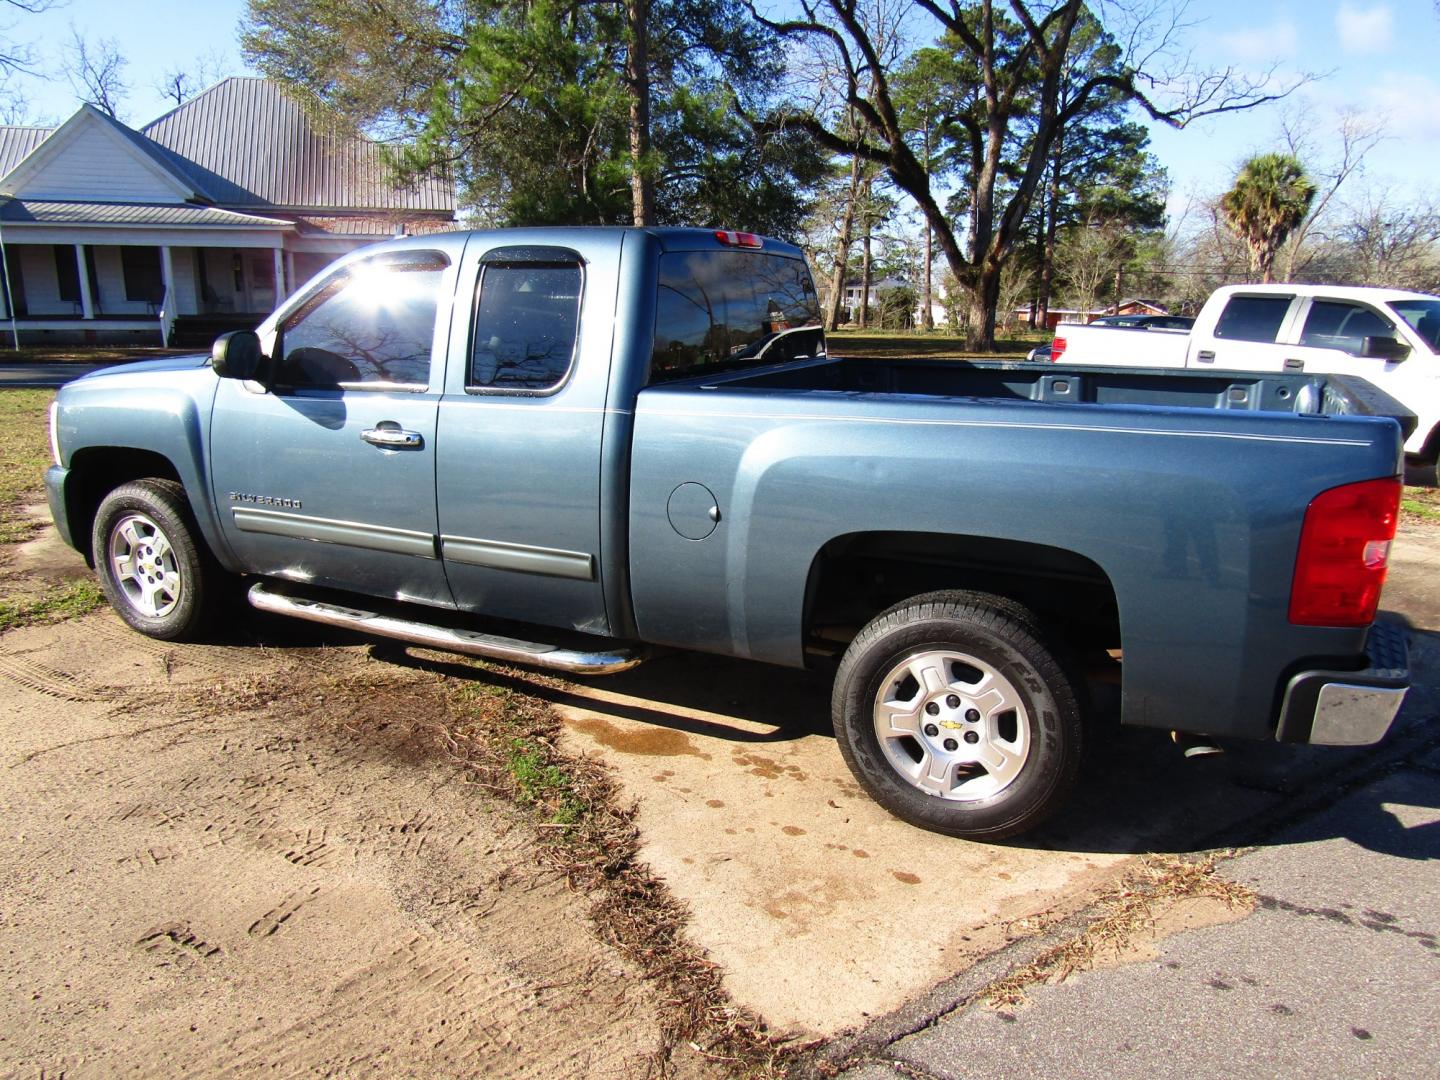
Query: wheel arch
pixel 95 471
pixel 856 576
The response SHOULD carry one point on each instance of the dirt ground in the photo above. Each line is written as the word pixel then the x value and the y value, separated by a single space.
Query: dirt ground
pixel 222 860
pixel 256 856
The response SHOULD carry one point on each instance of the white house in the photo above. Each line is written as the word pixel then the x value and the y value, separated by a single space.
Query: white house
pixel 199 222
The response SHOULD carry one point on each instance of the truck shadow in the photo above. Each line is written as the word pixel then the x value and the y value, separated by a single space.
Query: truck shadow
pixel 1137 791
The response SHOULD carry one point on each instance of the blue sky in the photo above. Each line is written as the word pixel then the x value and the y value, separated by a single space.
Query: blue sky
pixel 1377 58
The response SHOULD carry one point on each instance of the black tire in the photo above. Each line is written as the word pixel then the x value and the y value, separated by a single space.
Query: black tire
pixel 150 507
pixel 1032 730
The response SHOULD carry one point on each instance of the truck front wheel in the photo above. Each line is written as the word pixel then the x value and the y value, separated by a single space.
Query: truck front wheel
pixel 152 566
pixel 956 717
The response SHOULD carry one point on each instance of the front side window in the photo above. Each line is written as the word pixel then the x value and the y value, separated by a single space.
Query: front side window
pixel 719 308
pixel 371 326
pixel 527 317
pixel 1423 316
pixel 1333 324
pixel 1252 318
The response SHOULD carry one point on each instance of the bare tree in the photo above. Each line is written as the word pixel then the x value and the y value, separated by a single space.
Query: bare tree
pixel 17 58
pixel 860 39
pixel 1388 244
pixel 1358 136
pixel 1088 258
pixel 183 81
pixel 96 71
pixel 842 249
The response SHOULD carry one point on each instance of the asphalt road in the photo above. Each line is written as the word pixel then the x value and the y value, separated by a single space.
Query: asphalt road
pixel 41 376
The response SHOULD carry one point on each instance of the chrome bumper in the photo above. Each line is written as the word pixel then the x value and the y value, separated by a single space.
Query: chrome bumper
pixel 1350 708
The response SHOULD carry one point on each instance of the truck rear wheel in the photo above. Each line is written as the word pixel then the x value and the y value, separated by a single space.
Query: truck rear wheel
pixel 956 717
pixel 152 566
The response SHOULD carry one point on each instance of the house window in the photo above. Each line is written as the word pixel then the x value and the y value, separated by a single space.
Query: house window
pixel 143 280
pixel 67 274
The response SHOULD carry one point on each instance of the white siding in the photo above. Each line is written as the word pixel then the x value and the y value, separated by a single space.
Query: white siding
pixel 42 287
pixel 96 164
pixel 187 286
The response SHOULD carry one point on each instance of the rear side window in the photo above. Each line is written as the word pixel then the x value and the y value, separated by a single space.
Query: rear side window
pixel 1252 318
pixel 1335 325
pixel 371 326
pixel 723 308
pixel 526 319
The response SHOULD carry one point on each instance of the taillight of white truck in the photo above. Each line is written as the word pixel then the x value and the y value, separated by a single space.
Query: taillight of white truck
pixel 1344 553
pixel 1057 349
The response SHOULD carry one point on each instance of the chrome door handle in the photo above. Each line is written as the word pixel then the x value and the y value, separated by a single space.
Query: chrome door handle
pixel 389 434
pixel 1205 356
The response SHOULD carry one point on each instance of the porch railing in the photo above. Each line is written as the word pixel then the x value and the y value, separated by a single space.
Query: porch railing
pixel 167 319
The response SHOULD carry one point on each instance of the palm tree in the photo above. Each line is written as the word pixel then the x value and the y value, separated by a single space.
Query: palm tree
pixel 1270 198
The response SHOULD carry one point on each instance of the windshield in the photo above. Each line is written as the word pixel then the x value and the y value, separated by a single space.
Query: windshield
pixel 1423 317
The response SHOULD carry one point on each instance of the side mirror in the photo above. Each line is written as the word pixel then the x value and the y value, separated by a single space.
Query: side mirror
pixel 237 355
pixel 1384 347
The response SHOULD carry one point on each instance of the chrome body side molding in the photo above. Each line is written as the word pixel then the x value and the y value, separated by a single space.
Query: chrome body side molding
pixel 498 555
pixel 329 531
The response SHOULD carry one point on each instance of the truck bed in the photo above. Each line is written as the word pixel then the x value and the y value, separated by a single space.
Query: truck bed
pixel 1302 394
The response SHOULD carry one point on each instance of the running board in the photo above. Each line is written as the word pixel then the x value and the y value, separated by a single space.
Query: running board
pixel 490 646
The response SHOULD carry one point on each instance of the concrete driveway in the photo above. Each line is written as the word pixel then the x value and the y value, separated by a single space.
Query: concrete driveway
pixel 824 910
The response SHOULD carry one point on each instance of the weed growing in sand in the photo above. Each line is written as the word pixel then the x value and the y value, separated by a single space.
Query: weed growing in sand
pixel 55 604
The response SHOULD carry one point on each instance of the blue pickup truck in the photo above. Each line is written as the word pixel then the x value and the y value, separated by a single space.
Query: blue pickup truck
pixel 568 447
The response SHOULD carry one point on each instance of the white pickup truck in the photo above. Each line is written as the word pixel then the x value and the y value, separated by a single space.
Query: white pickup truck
pixel 1388 337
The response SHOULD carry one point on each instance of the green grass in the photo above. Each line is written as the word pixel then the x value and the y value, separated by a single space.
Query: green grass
pixel 933 345
pixel 24 454
pixel 536 771
pixel 1421 504
pixel 53 605
pixel 81 354
pixel 542 783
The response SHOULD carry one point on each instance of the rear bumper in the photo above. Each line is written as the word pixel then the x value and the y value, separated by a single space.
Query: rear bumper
pixel 55 478
pixel 1350 708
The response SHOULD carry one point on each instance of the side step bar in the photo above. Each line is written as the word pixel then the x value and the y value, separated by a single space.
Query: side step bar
pixel 490 646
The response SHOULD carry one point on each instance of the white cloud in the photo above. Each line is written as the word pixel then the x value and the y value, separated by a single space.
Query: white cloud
pixel 1364 29
pixel 1261 43
pixel 1404 103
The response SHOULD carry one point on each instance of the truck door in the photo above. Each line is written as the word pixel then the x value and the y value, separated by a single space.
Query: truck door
pixel 326 472
pixel 520 431
pixel 1330 336
pixel 1245 334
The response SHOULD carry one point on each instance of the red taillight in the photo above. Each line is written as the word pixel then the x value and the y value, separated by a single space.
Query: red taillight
pixel 739 239
pixel 1057 348
pixel 1344 549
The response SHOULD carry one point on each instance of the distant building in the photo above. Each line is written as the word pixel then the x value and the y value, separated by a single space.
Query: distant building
pixel 1057 315
pixel 199 222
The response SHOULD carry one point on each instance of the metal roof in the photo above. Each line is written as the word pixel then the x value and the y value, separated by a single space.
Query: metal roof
pixel 370 224
pixel 16 144
pixel 245 142
pixel 50 212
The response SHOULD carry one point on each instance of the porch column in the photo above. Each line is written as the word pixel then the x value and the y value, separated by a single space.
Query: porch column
pixel 167 279
pixel 290 273
pixel 280 291
pixel 87 302
pixel 170 301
